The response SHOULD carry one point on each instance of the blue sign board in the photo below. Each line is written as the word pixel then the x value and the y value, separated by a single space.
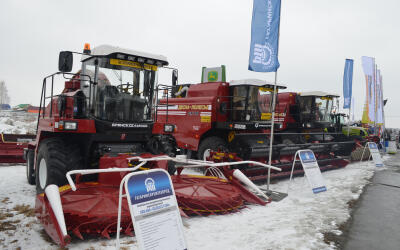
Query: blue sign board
pixel 347 83
pixel 265 36
pixel 147 187
pixel 154 210
pixel 376 156
pixel 312 171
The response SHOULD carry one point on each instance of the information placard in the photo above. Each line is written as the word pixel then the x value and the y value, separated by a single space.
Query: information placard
pixel 392 149
pixel 376 156
pixel 154 211
pixel 312 171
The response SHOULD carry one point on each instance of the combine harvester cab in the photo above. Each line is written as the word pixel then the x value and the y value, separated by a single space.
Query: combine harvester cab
pixel 234 117
pixel 97 130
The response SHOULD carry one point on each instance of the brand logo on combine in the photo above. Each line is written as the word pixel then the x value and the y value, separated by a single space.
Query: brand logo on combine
pixel 261 125
pixel 128 125
pixel 263 54
pixel 150 185
pixel 212 76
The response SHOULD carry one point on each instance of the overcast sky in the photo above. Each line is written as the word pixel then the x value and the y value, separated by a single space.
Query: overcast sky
pixel 316 37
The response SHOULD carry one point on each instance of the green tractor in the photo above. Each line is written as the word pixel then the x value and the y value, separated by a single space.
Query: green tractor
pixel 357 133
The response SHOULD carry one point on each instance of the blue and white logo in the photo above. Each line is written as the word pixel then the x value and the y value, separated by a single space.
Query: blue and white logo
pixel 150 185
pixel 263 54
pixel 264 36
pixel 307 156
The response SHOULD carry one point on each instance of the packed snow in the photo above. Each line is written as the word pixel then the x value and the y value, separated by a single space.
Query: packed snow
pixel 17 122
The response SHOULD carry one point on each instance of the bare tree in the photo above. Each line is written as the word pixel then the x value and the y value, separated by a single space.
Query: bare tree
pixel 4 98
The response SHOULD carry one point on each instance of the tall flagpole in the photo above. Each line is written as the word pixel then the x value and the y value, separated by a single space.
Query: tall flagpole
pixel 348 121
pixel 383 107
pixel 273 104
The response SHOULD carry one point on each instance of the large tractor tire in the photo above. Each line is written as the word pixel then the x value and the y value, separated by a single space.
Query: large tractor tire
pixel 30 172
pixel 55 158
pixel 213 143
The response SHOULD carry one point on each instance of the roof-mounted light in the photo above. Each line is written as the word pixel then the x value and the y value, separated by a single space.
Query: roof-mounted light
pixel 86 48
pixel 150 61
pixel 120 56
pixel 131 58
pixel 141 60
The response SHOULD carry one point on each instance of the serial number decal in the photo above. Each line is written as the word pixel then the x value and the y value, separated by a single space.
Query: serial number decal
pixel 239 126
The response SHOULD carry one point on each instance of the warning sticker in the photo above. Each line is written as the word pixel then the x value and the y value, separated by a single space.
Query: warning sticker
pixel 205 118
pixel 266 116
pixel 132 64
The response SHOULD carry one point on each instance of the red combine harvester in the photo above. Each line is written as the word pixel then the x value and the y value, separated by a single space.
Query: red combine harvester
pixel 12 147
pixel 101 124
pixel 235 117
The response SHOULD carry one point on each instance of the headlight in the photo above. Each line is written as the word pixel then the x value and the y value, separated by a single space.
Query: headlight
pixel 70 125
pixel 169 128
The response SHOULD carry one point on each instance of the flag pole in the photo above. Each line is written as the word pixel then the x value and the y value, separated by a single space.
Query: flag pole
pixel 274 104
pixel 375 67
pixel 348 121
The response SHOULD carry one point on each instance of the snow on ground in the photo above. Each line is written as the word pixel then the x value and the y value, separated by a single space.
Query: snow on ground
pixel 12 122
pixel 297 222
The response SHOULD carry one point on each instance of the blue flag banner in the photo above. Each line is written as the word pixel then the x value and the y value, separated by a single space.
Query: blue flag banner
pixel 264 36
pixel 347 83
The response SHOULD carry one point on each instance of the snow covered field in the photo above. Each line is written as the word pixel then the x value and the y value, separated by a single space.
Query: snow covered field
pixel 17 122
pixel 297 222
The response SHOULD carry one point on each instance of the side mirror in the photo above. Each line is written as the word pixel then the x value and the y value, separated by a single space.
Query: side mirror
pixel 65 61
pixel 174 77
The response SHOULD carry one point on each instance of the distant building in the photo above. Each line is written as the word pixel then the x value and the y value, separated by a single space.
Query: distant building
pixel 33 109
pixel 21 107
pixel 5 107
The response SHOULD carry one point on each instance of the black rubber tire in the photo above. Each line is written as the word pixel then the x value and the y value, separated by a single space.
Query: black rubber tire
pixel 214 143
pixel 30 172
pixel 60 157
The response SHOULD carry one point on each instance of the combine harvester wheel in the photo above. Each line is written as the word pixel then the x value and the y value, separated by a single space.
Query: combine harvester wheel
pixel 30 176
pixel 55 158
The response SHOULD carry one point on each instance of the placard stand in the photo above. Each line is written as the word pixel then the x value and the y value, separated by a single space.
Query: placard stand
pixel 311 170
pixel 154 210
pixel 374 153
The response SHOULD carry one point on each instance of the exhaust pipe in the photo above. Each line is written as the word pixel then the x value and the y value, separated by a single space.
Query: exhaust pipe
pixel 53 195
pixel 241 177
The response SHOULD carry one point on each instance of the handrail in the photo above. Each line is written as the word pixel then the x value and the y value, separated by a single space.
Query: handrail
pixel 178 159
